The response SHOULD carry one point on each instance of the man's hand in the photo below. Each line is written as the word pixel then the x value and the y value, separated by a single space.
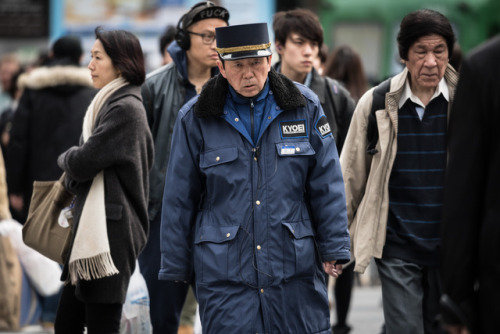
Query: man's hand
pixel 16 202
pixel 332 269
pixel 455 329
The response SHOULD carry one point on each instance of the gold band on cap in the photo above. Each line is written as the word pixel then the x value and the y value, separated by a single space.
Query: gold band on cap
pixel 243 48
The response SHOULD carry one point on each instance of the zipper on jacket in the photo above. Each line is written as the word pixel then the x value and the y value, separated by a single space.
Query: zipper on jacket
pixel 252 125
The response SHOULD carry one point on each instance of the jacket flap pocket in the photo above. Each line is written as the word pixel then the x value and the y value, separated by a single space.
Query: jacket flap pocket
pixel 295 148
pixel 114 211
pixel 218 156
pixel 299 229
pixel 217 234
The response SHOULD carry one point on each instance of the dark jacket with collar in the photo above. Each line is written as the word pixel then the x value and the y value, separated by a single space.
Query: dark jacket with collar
pixel 47 122
pixel 120 145
pixel 336 102
pixel 254 221
pixel 164 93
pixel 471 221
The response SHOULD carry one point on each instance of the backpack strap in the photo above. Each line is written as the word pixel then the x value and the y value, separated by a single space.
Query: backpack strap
pixel 377 104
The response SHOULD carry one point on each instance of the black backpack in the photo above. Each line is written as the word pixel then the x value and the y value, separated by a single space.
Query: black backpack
pixel 377 104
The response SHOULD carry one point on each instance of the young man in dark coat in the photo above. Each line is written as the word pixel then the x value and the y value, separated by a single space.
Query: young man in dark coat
pixel 299 37
pixel 48 120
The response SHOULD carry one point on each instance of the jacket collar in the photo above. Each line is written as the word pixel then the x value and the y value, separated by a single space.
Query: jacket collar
pixel 213 96
pixel 128 90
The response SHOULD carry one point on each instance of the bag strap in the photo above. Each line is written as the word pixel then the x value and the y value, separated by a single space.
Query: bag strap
pixel 378 103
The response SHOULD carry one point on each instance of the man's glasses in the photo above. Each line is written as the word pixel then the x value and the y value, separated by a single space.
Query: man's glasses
pixel 206 38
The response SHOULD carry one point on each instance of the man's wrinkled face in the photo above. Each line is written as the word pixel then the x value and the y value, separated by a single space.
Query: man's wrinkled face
pixel 247 76
pixel 427 61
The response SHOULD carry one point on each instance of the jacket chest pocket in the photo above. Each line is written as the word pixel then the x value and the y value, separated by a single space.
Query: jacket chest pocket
pixel 299 249
pixel 295 149
pixel 220 166
pixel 214 253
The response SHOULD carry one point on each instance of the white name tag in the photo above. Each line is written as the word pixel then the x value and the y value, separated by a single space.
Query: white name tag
pixel 287 150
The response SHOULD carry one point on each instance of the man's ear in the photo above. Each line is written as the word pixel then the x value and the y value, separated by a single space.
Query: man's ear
pixel 222 70
pixel 279 48
pixel 269 62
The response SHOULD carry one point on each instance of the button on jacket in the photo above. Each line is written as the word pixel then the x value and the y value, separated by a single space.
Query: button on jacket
pixel 250 223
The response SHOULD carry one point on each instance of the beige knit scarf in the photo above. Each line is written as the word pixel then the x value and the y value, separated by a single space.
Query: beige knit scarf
pixel 90 255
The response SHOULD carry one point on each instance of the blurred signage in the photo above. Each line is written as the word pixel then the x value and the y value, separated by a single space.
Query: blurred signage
pixel 24 18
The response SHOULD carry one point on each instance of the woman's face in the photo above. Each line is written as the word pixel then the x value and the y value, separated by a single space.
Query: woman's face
pixel 100 66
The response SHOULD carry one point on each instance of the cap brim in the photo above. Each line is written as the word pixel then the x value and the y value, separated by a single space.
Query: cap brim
pixel 246 54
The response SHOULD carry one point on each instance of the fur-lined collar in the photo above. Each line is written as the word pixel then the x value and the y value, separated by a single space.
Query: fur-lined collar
pixel 45 77
pixel 213 96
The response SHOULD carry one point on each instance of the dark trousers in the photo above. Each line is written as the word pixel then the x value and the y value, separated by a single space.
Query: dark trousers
pixel 342 293
pixel 166 297
pixel 73 315
pixel 410 296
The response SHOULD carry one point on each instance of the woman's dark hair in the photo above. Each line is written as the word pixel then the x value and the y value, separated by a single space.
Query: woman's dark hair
pixel 345 65
pixel 300 21
pixel 423 22
pixel 125 52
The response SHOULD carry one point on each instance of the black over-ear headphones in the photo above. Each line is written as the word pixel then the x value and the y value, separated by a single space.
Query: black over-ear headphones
pixel 182 36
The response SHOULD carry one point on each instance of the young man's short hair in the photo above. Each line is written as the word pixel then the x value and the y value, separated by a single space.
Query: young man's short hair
pixel 300 21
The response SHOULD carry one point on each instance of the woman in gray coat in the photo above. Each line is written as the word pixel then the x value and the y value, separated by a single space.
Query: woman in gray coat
pixel 108 173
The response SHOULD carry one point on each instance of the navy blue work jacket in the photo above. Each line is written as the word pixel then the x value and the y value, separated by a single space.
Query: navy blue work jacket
pixel 252 224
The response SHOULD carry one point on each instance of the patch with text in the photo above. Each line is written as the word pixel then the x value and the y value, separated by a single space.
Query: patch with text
pixel 293 129
pixel 323 127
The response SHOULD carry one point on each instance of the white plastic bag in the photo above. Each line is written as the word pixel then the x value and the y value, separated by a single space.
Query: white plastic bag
pixel 135 314
pixel 43 273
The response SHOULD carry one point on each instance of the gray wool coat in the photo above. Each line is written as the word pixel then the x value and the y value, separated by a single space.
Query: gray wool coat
pixel 121 145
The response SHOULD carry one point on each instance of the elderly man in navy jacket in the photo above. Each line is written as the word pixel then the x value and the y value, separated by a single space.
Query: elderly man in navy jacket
pixel 254 208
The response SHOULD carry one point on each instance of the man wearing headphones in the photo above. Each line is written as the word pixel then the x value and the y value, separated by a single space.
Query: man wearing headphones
pixel 164 93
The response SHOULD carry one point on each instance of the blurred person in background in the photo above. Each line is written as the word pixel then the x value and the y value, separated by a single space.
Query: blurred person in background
pixel 166 39
pixel 48 120
pixel 109 175
pixel 470 258
pixel 456 57
pixel 394 180
pixel 6 118
pixel 165 91
pixel 9 65
pixel 299 37
pixel 319 61
pixel 345 65
pixel 7 114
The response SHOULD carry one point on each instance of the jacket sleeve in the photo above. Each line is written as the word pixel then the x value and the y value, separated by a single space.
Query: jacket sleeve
pixel 181 198
pixel 147 101
pixel 115 136
pixel 325 192
pixel 354 160
pixel 346 106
